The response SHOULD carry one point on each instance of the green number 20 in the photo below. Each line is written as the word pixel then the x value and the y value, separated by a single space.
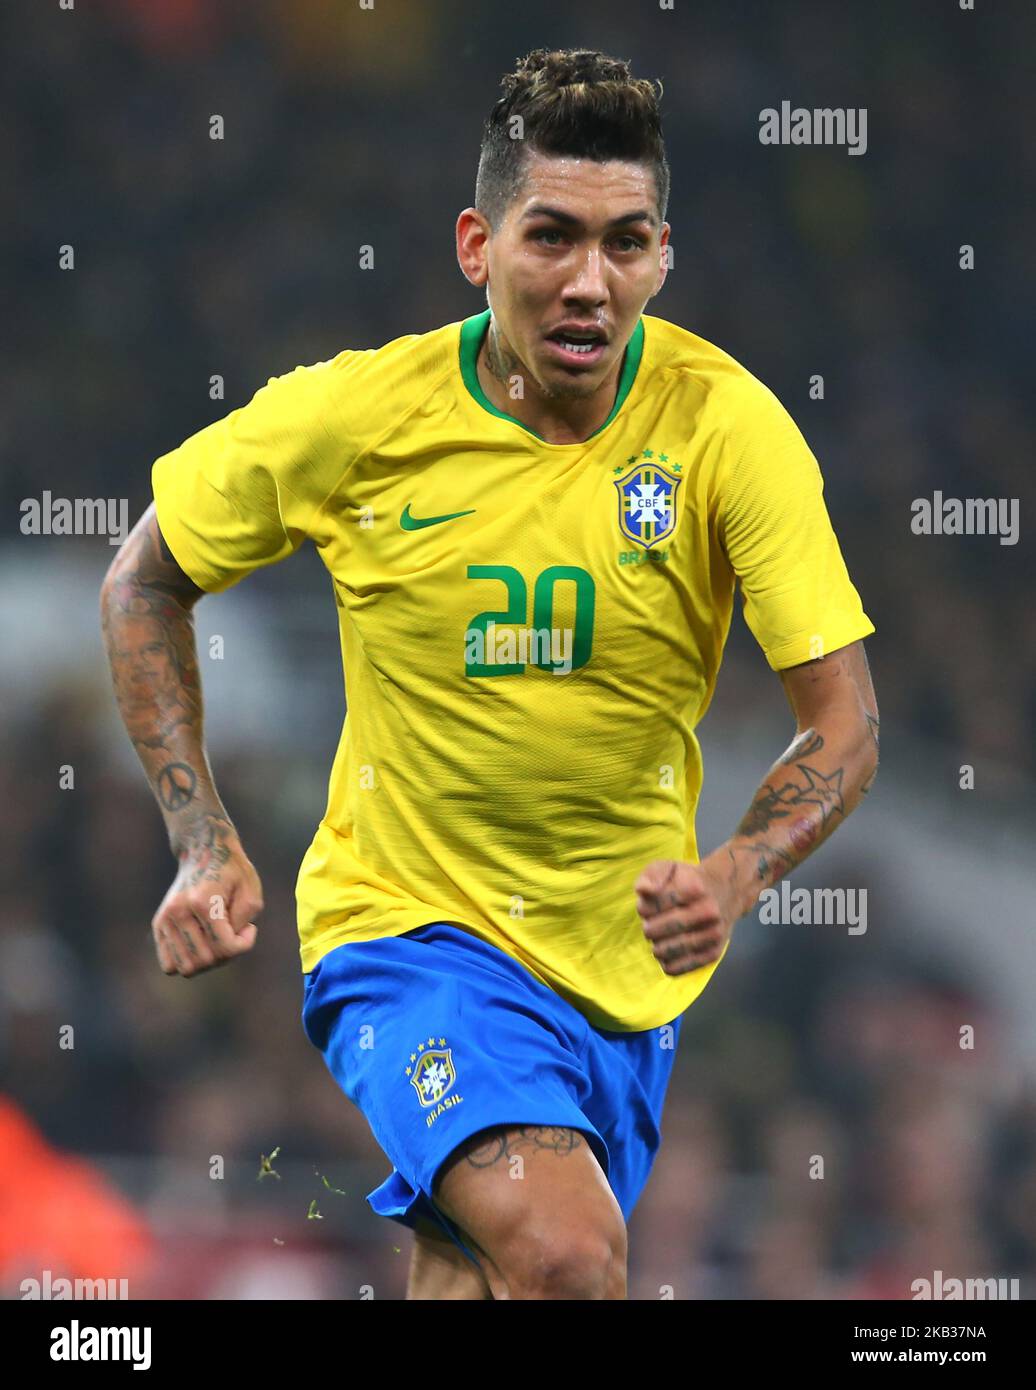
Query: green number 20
pixel 516 613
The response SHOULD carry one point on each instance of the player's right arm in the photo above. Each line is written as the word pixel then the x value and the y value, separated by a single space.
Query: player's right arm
pixel 147 618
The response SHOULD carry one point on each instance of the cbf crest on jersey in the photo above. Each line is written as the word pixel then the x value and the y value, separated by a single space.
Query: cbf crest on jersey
pixel 433 1074
pixel 647 504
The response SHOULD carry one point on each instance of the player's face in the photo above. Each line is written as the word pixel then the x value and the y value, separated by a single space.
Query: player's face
pixel 577 257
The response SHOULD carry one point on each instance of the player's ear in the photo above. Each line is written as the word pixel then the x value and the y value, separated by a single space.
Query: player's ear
pixel 473 234
pixel 664 261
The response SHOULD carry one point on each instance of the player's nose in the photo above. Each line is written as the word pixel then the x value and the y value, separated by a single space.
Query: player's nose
pixel 587 282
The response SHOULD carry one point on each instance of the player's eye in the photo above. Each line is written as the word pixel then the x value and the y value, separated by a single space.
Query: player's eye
pixel 633 243
pixel 547 232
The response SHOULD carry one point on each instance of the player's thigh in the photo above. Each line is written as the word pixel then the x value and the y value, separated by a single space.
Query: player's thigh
pixel 537 1208
pixel 439 1269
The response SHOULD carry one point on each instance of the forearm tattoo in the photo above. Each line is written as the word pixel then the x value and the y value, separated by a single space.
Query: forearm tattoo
pixel 149 637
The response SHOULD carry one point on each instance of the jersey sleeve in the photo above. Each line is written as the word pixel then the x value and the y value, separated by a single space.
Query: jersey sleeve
pixel 799 601
pixel 244 491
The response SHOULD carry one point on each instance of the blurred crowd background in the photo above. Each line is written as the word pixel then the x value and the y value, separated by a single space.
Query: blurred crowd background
pixel 240 257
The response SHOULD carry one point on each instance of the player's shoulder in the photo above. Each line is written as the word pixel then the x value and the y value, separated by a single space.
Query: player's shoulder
pixel 363 389
pixel 721 391
pixel 416 356
pixel 413 361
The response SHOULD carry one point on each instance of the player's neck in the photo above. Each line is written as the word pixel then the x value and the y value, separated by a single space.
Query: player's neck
pixel 556 421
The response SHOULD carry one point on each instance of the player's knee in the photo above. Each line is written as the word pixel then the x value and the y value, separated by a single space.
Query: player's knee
pixel 568 1261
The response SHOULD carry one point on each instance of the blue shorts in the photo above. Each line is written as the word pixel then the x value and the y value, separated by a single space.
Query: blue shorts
pixel 436 1035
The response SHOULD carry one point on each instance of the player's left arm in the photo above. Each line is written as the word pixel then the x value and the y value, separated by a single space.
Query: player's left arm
pixel 689 910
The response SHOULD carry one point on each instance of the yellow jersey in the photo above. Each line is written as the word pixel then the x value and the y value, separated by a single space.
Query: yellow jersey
pixel 530 631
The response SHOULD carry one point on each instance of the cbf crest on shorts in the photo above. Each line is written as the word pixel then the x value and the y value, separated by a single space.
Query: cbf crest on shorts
pixel 433 1073
pixel 647 504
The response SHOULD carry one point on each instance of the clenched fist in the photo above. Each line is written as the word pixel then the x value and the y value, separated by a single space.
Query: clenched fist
pixel 206 917
pixel 687 912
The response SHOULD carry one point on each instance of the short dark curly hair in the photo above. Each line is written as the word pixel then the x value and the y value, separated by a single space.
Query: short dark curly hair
pixel 576 102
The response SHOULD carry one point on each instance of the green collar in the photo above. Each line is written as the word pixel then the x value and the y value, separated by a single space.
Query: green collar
pixel 474 329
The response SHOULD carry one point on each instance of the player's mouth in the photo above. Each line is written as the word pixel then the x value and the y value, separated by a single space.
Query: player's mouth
pixel 577 346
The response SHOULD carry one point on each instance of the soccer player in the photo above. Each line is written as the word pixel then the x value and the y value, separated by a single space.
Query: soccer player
pixel 535 520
